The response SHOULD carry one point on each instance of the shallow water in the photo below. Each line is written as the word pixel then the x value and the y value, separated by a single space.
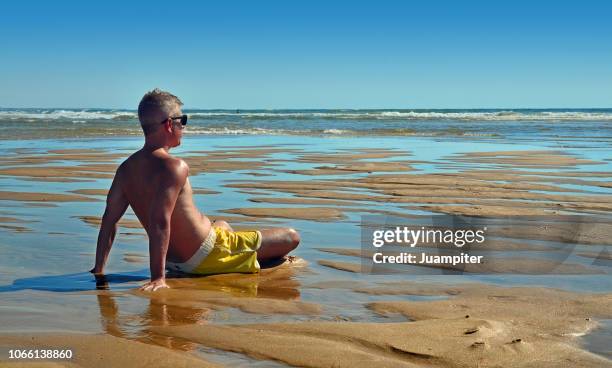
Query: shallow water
pixel 44 284
pixel 598 341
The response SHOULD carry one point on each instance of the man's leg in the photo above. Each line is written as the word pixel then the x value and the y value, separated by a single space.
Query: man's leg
pixel 222 224
pixel 276 243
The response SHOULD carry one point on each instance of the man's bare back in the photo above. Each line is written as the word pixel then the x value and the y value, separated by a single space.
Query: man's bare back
pixel 156 186
pixel 139 179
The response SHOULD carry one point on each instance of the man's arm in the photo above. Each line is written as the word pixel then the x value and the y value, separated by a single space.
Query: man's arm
pixel 116 204
pixel 169 185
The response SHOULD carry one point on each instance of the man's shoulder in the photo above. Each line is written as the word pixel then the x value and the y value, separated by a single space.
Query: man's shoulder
pixel 128 162
pixel 174 168
pixel 175 164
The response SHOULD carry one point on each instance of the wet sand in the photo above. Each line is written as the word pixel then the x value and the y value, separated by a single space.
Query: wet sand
pixel 275 316
pixel 310 213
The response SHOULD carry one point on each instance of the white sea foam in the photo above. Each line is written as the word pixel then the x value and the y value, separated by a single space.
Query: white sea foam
pixel 230 131
pixel 499 116
pixel 335 131
pixel 71 115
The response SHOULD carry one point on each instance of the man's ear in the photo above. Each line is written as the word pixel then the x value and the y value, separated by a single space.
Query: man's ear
pixel 168 125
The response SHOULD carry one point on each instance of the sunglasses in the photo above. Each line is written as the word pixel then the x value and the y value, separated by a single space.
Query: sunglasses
pixel 183 119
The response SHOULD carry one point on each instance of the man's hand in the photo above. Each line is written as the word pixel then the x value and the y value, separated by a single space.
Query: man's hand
pixel 154 285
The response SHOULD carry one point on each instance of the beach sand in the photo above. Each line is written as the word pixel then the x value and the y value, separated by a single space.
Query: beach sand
pixel 318 310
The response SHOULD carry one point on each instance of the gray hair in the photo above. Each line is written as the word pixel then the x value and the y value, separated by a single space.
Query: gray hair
pixel 155 106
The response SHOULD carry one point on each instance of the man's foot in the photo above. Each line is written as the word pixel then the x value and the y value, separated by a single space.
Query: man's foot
pixel 269 263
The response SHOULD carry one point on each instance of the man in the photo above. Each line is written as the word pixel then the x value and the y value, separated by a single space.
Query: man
pixel 156 186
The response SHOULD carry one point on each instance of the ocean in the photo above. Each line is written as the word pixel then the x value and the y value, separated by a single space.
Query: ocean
pixel 524 124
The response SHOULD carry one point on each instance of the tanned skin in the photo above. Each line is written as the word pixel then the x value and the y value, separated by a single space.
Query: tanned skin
pixel 156 185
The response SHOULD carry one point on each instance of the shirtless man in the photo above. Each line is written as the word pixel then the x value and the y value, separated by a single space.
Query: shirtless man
pixel 156 186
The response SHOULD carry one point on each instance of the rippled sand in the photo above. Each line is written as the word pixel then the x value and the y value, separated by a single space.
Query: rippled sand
pixel 318 309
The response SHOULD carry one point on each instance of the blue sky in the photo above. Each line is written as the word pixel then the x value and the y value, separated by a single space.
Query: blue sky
pixel 309 54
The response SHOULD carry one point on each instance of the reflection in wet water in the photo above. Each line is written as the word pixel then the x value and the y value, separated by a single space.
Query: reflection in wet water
pixel 190 301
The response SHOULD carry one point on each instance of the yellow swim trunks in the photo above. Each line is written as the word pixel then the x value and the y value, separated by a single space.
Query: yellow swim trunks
pixel 223 251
